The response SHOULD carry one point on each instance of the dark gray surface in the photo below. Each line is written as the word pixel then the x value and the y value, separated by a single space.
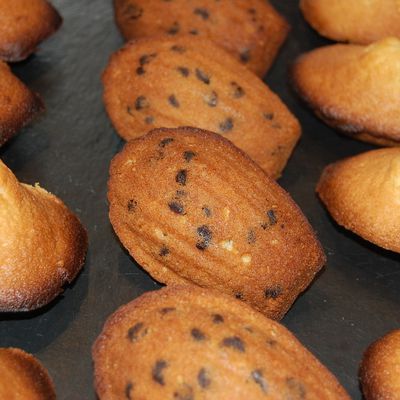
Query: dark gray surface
pixel 353 301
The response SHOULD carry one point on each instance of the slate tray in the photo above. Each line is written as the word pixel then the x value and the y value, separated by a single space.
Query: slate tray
pixel 353 301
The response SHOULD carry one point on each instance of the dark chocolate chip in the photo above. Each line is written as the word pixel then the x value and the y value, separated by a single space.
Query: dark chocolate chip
pixel 133 11
pixel 197 334
pixel 211 99
pixel 174 29
pixel 173 101
pixel 238 91
pixel 273 292
pixel 132 204
pixel 135 331
pixel 146 58
pixel 206 211
pixel 184 393
pixel 202 12
pixel 164 251
pixel 205 236
pixel 176 207
pixel 203 378
pixel 178 49
pixel 181 177
pixel 269 116
pixel 272 217
pixel 194 32
pixel 128 391
pixel 140 70
pixel 157 372
pixel 259 379
pixel 245 56
pixel 165 142
pixel 272 342
pixel 141 103
pixel 188 155
pixel 149 120
pixel 226 125
pixel 296 388
pixel 218 318
pixel 251 237
pixel 234 342
pixel 239 296
pixel 202 76
pixel 183 71
pixel 167 310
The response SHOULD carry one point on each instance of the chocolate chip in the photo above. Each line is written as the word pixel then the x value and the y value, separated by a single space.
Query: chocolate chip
pixel 202 76
pixel 165 142
pixel 132 204
pixel 140 70
pixel 141 103
pixel 218 318
pixel 202 12
pixel 206 211
pixel 245 56
pixel 133 11
pixel 183 71
pixel 167 310
pixel 164 251
pixel 238 91
pixel 272 342
pixel 205 236
pixel 157 372
pixel 146 58
pixel 273 292
pixel 188 155
pixel 197 334
pixel 181 177
pixel 211 99
pixel 226 125
pixel 296 388
pixel 174 29
pixel 176 207
pixel 252 11
pixel 203 378
pixel 251 237
pixel 272 217
pixel 184 393
pixel 239 296
pixel 194 32
pixel 128 391
pixel 178 49
pixel 235 343
pixel 149 120
pixel 173 101
pixel 259 379
pixel 269 116
pixel 135 331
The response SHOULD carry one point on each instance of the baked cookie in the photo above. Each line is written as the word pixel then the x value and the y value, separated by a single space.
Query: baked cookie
pixel 171 82
pixel 256 44
pixel 362 194
pixel 42 245
pixel 190 343
pixel 22 377
pixel 18 105
pixel 190 207
pixel 23 25
pixel 354 88
pixel 380 369
pixel 361 21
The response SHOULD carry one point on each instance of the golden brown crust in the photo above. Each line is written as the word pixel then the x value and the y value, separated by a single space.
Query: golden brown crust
pixel 23 25
pixel 193 89
pixel 18 105
pixel 362 194
pixel 261 34
pixel 354 88
pixel 380 368
pixel 43 245
pixel 192 208
pixel 361 21
pixel 23 377
pixel 192 343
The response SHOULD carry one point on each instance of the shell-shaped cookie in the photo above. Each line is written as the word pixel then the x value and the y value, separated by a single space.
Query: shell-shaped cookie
pixel 361 21
pixel 354 88
pixel 22 377
pixel 190 343
pixel 192 208
pixel 172 82
pixel 380 368
pixel 18 105
pixel 42 245
pixel 362 193
pixel 23 25
pixel 251 30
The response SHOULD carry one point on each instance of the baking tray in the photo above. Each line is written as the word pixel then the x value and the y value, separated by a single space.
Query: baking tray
pixel 351 303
